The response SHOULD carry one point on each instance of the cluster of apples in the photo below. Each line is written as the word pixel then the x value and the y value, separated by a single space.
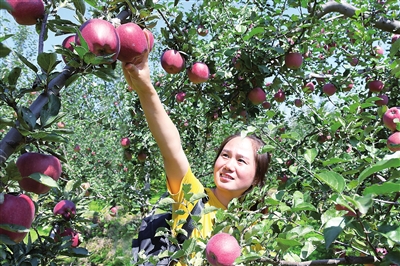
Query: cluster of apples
pixel 19 209
pixel 391 118
pixel 127 42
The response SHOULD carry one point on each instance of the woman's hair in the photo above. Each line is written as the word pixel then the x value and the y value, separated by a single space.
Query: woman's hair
pixel 262 159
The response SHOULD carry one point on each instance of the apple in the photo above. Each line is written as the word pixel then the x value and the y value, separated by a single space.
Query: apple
pixel 77 148
pixel 256 96
pixel 389 117
pixel 60 124
pixel 125 142
pixel 339 207
pixel 309 87
pixel 150 38
pixel 26 12
pixel 298 103
pixel 113 211
pixel 348 87
pixel 222 249
pixel 133 42
pixel 31 162
pixel 142 156
pixel 353 61
pixel 375 86
pixel 329 89
pixel 280 96
pixel 180 96
pixel 395 37
pixel 68 232
pixel 201 30
pixel 101 37
pixel 198 73
pixel 128 155
pixel 283 179
pixel 172 61
pixel 293 60
pixel 67 44
pixel 384 100
pixel 379 50
pixel 66 209
pixel 393 141
pixel 16 210
pixel 266 105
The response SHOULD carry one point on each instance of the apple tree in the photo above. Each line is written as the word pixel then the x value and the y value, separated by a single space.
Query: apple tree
pixel 316 80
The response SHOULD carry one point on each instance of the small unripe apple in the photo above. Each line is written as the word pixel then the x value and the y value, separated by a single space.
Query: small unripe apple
pixel 379 50
pixel 172 61
pixel 222 250
pixel 348 87
pixel 280 96
pixel 66 209
pixel 125 142
pixel 391 118
pixel 256 96
pixel 293 60
pixel 180 96
pixel 393 141
pixel 113 211
pixel 375 86
pixel 198 73
pixel 329 89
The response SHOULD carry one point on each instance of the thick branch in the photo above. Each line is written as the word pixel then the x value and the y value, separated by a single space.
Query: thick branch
pixel 348 260
pixel 349 11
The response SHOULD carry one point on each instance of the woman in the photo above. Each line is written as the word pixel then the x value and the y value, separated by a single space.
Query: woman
pixel 237 168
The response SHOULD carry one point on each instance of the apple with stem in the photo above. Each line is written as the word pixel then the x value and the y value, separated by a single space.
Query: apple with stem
pixel 391 118
pixel 16 210
pixel 172 61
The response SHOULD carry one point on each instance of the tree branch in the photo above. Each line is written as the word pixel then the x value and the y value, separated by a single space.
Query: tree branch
pixel 349 11
pixel 347 260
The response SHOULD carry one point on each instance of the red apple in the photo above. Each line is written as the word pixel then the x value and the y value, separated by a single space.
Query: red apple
pixel 125 142
pixel 66 209
pixel 180 96
pixel 353 61
pixel 101 37
pixel 348 87
pixel 16 210
pixel 298 103
pixel 222 249
pixel 26 12
pixel 201 30
pixel 77 148
pixel 293 60
pixel 280 96
pixel 172 61
pixel 133 42
pixel 393 141
pixel 283 179
pixel 395 37
pixel 309 87
pixel 68 232
pixel 329 89
pixel 375 86
pixel 266 105
pixel 29 163
pixel 67 44
pixel 142 156
pixel 113 211
pixel 379 50
pixel 60 124
pixel 391 118
pixel 384 100
pixel 150 38
pixel 256 96
pixel 198 73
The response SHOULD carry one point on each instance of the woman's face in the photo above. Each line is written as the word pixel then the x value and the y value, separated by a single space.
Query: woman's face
pixel 235 167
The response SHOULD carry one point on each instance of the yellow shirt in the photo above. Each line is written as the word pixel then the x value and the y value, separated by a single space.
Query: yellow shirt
pixel 206 220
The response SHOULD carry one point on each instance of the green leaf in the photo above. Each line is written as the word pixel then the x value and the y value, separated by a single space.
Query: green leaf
pixel 44 179
pixel 13 76
pixel 4 239
pixel 332 229
pixel 47 61
pixel 76 252
pixel 254 31
pixel 14 228
pixel 379 166
pixel 332 179
pixel 310 155
pixel 53 137
pixel 284 244
pixel 50 111
pixel 28 117
pixel 4 50
pixel 27 63
pixel 80 6
pixel 382 189
pixel 5 5
pixel 197 196
pixel 307 249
